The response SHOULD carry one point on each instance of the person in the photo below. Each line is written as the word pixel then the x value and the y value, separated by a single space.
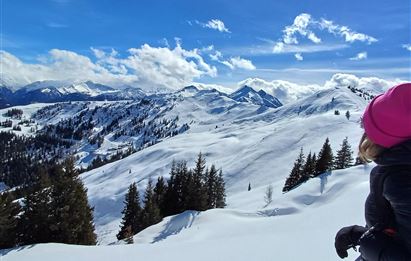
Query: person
pixel 387 142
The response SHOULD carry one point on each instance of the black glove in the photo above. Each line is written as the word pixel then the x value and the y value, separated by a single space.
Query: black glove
pixel 346 238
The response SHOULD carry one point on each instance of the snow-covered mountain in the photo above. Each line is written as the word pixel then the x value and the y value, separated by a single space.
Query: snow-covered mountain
pixel 59 91
pixel 252 146
pixel 248 94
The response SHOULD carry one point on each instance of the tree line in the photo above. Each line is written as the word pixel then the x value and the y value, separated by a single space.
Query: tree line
pixel 200 188
pixel 311 166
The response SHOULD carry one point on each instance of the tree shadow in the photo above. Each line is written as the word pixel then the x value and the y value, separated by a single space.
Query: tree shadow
pixel 176 224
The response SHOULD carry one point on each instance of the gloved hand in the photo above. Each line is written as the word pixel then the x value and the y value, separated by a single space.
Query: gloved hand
pixel 346 238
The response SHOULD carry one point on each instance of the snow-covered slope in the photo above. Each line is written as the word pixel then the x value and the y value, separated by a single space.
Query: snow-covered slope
pixel 299 225
pixel 251 145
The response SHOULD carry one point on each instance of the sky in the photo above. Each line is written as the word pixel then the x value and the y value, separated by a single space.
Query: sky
pixel 175 43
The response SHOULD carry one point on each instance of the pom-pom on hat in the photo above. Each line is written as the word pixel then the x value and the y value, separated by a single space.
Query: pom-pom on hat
pixel 387 119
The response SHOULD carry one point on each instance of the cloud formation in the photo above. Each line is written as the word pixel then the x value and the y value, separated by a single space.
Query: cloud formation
pixel 304 26
pixel 214 24
pixel 373 84
pixel 233 62
pixel 146 67
pixel 359 56
pixel 288 92
pixel 407 46
pixel 285 91
pixel 298 56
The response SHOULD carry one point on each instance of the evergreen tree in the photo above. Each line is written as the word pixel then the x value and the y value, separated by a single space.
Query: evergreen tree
pixel 72 215
pixel 347 114
pixel 198 194
pixel 160 191
pixel 130 224
pixel 309 167
pixel 249 186
pixel 151 212
pixel 325 159
pixel 170 201
pixel 211 184
pixel 344 156
pixel 220 195
pixel 36 223
pixel 8 221
pixel 296 175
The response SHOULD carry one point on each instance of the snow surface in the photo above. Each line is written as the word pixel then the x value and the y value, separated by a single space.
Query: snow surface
pixel 251 145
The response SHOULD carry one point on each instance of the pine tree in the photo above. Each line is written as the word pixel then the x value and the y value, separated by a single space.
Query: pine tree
pixel 347 114
pixel 171 199
pixel 8 221
pixel 325 159
pixel 160 191
pixel 150 214
pixel 130 224
pixel 72 215
pixel 36 223
pixel 198 195
pixel 344 156
pixel 309 167
pixel 211 177
pixel 249 186
pixel 296 175
pixel 220 195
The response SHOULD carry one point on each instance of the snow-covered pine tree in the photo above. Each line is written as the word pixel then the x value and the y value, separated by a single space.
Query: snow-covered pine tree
pixel 344 156
pixel 296 175
pixel 130 223
pixel 325 159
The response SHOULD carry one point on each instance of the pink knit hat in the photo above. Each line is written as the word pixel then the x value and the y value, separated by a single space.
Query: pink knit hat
pixel 387 119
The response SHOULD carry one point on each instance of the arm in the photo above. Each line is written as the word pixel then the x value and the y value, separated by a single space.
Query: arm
pixel 380 247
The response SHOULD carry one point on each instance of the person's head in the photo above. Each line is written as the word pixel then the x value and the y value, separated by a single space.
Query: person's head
pixel 387 121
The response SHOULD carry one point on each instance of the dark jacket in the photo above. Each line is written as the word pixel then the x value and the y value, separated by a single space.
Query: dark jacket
pixel 397 191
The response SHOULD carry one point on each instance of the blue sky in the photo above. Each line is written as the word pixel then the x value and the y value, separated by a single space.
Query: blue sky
pixel 214 42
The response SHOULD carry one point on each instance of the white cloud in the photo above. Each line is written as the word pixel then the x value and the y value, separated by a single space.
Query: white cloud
pixel 242 63
pixel 215 24
pixel 407 46
pixel 298 56
pixel 349 35
pixel 359 56
pixel 285 91
pixel 304 26
pixel 300 26
pixel 233 62
pixel 146 67
pixel 374 84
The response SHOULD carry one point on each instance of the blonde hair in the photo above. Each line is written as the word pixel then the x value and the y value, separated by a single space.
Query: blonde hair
pixel 368 150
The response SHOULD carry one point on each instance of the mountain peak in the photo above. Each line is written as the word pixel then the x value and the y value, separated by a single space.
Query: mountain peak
pixel 248 94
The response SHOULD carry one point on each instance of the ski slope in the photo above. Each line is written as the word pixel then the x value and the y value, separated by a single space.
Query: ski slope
pixel 253 145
